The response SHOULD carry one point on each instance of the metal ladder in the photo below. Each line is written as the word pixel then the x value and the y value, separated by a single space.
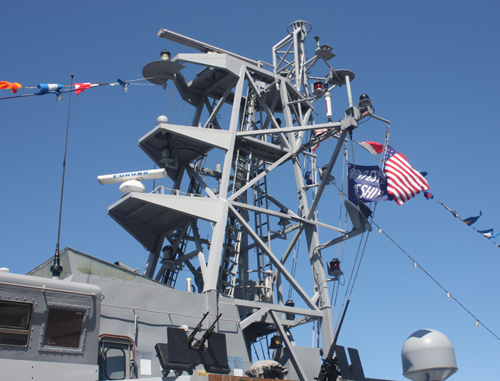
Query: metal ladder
pixel 242 170
pixel 261 221
pixel 170 276
pixel 229 270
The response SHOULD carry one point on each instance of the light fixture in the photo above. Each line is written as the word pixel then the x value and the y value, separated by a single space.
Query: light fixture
pixel 162 135
pixel 334 268
pixel 365 103
pixel 166 155
pixel 477 323
pixel 275 342
pixel 165 55
pixel 380 231
pixel 168 253
pixel 283 221
pixel 322 171
pixel 318 89
pixel 290 315
pixel 415 265
pixel 448 295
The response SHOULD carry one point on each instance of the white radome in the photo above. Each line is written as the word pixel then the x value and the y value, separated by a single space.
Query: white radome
pixel 132 186
pixel 428 355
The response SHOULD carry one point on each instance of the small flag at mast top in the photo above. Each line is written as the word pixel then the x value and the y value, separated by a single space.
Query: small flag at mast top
pixel 4 85
pixel 403 181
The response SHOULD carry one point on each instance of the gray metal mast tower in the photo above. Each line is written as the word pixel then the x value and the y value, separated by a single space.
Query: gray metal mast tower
pixel 253 117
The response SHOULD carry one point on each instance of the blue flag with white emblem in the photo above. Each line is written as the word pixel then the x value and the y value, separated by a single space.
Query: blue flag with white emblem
pixel 489 233
pixel 367 183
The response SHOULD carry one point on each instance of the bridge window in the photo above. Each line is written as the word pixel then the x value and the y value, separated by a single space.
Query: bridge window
pixel 64 328
pixel 14 323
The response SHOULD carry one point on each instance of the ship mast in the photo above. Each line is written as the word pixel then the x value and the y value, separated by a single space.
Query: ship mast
pixel 269 113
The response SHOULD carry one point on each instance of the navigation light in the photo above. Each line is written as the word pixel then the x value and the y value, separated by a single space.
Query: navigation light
pixel 166 155
pixel 334 267
pixel 275 342
pixel 364 104
pixel 168 253
pixel 318 89
pixel 165 55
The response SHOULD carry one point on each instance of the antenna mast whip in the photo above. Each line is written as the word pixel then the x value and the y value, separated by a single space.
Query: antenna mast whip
pixel 56 268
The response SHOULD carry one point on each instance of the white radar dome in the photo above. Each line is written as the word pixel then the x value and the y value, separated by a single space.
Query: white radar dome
pixel 162 119
pixel 132 186
pixel 428 355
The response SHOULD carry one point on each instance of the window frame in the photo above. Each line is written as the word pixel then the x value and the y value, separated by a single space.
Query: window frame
pixel 16 330
pixel 83 331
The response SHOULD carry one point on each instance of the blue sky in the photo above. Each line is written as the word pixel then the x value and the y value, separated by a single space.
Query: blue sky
pixel 431 68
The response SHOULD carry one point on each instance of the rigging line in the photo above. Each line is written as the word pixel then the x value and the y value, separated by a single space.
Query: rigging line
pixel 456 215
pixel 359 264
pixel 294 266
pixel 189 123
pixel 346 297
pixel 17 96
pixel 355 268
pixel 255 350
pixel 346 153
pixel 437 283
pixel 262 348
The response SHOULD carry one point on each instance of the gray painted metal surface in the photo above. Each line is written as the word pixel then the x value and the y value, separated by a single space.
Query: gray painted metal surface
pixel 239 104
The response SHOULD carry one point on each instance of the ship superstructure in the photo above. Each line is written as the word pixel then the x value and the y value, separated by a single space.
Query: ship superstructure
pixel 219 220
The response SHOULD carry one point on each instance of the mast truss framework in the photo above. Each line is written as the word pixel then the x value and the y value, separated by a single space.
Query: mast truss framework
pixel 243 217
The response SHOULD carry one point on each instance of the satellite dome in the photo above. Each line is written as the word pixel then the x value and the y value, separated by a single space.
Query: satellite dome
pixel 161 119
pixel 428 355
pixel 132 186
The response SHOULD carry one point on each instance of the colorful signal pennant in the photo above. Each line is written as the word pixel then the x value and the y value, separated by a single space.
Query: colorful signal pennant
pixel 372 147
pixel 79 87
pixel 4 85
pixel 489 233
pixel 49 88
pixel 58 89
pixel 471 220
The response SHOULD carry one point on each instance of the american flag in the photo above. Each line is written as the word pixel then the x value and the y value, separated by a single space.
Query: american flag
pixel 403 182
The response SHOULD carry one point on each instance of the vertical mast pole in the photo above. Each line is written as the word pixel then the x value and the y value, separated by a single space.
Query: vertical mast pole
pixel 56 268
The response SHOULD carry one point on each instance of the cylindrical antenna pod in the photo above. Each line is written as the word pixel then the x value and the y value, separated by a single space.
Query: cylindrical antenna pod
pixel 139 175
pixel 328 100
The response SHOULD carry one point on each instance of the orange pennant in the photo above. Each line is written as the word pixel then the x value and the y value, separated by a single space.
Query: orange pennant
pixel 10 85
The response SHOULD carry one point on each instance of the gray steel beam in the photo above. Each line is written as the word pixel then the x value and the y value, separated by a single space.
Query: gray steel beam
pixel 293 355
